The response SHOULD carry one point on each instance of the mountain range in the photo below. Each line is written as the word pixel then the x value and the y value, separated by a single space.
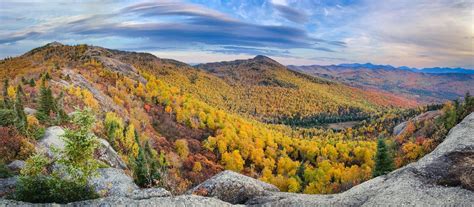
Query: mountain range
pixel 426 85
pixel 416 70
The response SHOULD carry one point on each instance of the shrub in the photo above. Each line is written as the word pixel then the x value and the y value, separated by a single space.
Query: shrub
pixel 4 171
pixel 10 144
pixel 47 189
pixel 7 117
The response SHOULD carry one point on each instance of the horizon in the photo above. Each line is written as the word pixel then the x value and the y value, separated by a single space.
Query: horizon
pixel 290 32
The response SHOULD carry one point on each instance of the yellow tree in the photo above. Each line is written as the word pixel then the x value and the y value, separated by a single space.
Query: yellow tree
pixel 233 161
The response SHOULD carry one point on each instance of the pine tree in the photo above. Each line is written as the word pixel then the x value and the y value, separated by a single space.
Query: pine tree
pixel 383 159
pixel 46 103
pixel 141 167
pixel 32 82
pixel 61 115
pixel 20 120
pixel 7 104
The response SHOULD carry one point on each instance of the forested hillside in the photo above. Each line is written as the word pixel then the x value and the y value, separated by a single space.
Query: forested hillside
pixel 424 87
pixel 180 124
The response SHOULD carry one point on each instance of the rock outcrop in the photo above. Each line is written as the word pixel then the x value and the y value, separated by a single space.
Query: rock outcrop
pixel 113 182
pixel 7 185
pixel 233 187
pixel 442 178
pixel 104 152
pixel 51 140
pixel 186 200
pixel 16 165
pixel 108 155
pixel 400 128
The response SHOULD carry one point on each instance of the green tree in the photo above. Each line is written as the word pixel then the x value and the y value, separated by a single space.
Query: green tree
pixel 20 120
pixel 32 82
pixel 78 153
pixel 46 103
pixel 141 166
pixel 383 159
pixel 7 103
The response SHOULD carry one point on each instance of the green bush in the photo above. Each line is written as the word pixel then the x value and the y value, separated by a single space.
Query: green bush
pixel 48 189
pixel 7 117
pixel 4 171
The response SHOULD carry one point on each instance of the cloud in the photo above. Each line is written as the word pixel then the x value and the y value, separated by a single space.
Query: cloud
pixel 291 14
pixel 168 23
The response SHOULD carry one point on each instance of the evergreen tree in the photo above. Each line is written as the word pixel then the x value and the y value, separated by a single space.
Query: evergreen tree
pixel 155 167
pixel 32 82
pixel 383 159
pixel 7 104
pixel 78 153
pixel 20 120
pixel 46 103
pixel 141 167
pixel 61 115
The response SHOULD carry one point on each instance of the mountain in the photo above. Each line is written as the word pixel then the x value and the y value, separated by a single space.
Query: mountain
pixel 293 94
pixel 406 82
pixel 434 70
pixel 174 125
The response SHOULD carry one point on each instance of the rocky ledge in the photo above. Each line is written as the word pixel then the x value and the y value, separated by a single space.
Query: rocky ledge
pixel 442 178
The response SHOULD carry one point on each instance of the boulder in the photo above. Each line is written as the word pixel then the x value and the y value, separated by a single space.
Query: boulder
pixel 51 139
pixel 147 193
pixel 232 187
pixel 7 185
pixel 108 155
pixel 16 165
pixel 104 152
pixel 30 111
pixel 113 182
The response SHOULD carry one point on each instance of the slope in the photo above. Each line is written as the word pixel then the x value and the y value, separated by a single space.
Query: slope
pixel 424 87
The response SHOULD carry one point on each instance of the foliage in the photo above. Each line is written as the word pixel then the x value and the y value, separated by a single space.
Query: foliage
pixel 48 189
pixel 147 167
pixel 7 117
pixel 14 145
pixel 182 148
pixel 4 171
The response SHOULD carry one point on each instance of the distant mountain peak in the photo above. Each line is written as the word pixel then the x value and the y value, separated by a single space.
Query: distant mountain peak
pixel 54 44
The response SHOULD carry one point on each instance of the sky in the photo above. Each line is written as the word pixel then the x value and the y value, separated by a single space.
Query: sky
pixel 421 33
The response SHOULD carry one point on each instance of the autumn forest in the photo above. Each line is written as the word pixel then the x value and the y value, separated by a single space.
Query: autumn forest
pixel 175 125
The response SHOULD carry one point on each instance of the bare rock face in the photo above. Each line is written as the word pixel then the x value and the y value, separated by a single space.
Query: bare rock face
pixel 16 165
pixel 113 182
pixel 147 193
pixel 51 139
pixel 233 187
pixel 108 155
pixel 7 185
pixel 104 152
pixel 186 200
pixel 397 130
